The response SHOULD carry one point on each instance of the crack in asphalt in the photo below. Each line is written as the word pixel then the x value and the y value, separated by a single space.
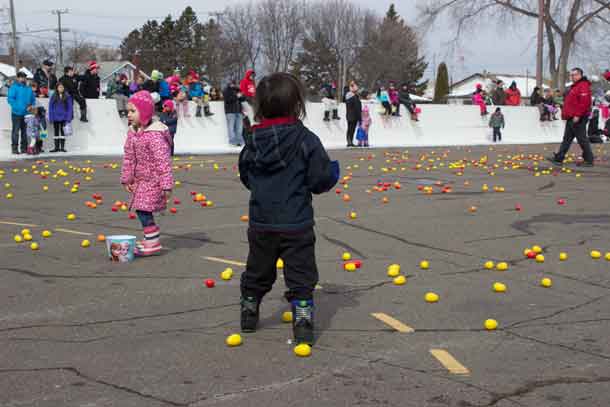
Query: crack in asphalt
pixel 555 313
pixel 401 239
pixel 84 376
pixel 344 245
pixel 547 186
pixel 557 345
pixel 524 225
pixel 532 386
pixel 112 321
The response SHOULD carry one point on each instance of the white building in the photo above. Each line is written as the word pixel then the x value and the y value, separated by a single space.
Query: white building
pixel 463 90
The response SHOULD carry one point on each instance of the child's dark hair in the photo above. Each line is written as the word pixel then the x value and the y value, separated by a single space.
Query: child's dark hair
pixel 279 95
pixel 498 110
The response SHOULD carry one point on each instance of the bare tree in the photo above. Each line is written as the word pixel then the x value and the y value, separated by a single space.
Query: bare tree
pixel 342 25
pixel 240 27
pixel 281 26
pixel 564 21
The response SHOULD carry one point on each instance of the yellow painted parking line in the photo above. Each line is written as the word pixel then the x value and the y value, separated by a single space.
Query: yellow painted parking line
pixel 393 322
pixel 225 261
pixel 18 224
pixel 73 232
pixel 449 362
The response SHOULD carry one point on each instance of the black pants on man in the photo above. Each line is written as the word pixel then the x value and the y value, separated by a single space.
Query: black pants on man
pixel 576 131
pixel 296 249
pixel 18 131
pixel 351 130
pixel 497 134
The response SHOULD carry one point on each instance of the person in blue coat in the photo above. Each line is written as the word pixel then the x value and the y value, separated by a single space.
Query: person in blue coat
pixel 20 98
pixel 61 115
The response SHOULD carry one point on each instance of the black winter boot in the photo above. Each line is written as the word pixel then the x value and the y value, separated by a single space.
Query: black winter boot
pixel 336 115
pixel 249 314
pixel 39 146
pixel 302 321
pixel 15 150
pixel 326 116
pixel 207 112
pixel 62 145
pixel 198 112
pixel 56 149
pixel 83 116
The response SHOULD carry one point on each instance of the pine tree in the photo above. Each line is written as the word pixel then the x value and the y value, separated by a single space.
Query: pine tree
pixel 317 62
pixel 391 53
pixel 441 88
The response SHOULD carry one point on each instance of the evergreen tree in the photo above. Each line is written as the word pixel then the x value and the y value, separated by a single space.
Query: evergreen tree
pixel 317 62
pixel 441 88
pixel 391 53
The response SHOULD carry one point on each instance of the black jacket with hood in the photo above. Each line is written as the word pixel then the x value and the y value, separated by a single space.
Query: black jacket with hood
pixel 353 107
pixel 283 165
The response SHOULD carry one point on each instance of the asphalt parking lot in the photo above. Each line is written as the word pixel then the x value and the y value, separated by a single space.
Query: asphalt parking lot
pixel 79 330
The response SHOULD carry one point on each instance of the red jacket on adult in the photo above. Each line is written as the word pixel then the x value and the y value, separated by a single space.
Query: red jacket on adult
pixel 577 102
pixel 247 86
pixel 513 97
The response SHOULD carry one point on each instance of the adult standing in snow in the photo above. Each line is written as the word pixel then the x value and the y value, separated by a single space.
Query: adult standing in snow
pixel 499 95
pixel 45 79
pixel 353 111
pixel 20 99
pixel 233 99
pixel 89 87
pixel 513 95
pixel 576 110
pixel 247 87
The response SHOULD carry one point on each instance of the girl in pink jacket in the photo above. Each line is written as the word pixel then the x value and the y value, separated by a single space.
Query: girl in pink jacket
pixel 147 168
pixel 478 98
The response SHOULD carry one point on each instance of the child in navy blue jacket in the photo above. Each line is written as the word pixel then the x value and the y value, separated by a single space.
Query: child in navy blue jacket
pixel 169 117
pixel 283 163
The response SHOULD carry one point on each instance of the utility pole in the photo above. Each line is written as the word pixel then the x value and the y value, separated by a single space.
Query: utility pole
pixel 59 12
pixel 539 57
pixel 14 29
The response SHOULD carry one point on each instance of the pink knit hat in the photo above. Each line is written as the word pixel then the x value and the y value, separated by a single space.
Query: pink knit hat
pixel 145 106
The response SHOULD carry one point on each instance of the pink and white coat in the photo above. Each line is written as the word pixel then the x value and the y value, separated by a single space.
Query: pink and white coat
pixel 147 166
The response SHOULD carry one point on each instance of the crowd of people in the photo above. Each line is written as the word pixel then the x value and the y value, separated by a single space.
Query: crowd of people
pixel 172 97
pixel 28 116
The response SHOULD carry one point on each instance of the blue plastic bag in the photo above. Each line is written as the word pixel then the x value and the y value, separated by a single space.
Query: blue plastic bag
pixel 361 134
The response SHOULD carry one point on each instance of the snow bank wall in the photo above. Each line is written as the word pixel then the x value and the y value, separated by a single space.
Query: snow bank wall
pixel 439 125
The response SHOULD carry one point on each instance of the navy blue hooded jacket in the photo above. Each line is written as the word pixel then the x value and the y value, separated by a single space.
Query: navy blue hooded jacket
pixel 283 164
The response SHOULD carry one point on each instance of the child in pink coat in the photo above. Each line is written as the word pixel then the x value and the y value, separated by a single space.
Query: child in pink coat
pixel 147 168
pixel 478 98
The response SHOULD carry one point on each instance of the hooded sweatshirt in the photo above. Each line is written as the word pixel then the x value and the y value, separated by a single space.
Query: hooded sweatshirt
pixel 247 86
pixel 283 164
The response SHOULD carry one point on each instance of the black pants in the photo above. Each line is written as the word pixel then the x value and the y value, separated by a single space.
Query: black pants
pixel 82 103
pixel 576 131
pixel 351 129
pixel 297 250
pixel 58 128
pixel 497 134
pixel 19 133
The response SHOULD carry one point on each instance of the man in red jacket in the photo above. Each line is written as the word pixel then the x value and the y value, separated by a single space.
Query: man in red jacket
pixel 576 111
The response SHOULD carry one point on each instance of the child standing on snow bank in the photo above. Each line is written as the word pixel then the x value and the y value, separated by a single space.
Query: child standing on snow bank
pixel 36 125
pixel 147 169
pixel 478 98
pixel 496 122
pixel 362 134
pixel 282 164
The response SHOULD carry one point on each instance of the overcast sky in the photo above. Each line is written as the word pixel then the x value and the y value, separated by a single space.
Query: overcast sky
pixel 108 21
